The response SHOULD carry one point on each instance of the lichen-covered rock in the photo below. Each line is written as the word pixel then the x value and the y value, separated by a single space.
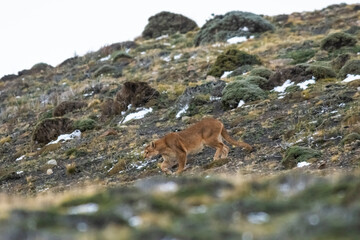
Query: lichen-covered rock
pixel 230 60
pixel 337 40
pixel 68 106
pixel 50 128
pixel 232 24
pixel 167 23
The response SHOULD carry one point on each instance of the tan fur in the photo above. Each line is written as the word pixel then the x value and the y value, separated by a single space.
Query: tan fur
pixel 174 147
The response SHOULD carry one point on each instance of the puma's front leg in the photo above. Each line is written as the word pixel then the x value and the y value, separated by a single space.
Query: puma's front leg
pixel 181 157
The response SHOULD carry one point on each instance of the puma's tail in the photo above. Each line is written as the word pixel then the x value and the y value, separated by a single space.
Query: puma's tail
pixel 230 140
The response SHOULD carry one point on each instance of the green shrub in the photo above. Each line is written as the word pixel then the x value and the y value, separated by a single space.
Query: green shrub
pixel 230 60
pixel 232 24
pixel 351 67
pixel 296 154
pixel 84 124
pixel 107 69
pixel 302 55
pixel 120 55
pixel 337 40
pixel 340 61
pixel 241 90
pixel 262 72
pixel 352 137
pixel 256 80
pixel 321 72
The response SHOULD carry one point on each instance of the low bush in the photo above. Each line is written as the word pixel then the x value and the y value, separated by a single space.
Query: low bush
pixel 84 124
pixel 337 40
pixel 296 154
pixel 351 67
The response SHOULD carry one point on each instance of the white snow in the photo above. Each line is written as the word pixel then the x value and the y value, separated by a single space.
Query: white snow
pixel 351 77
pixel 88 94
pixel 282 88
pixel 304 85
pixel 178 56
pixel 135 221
pixel 84 209
pixel 258 217
pixel 19 172
pixel 20 158
pixel 66 137
pixel 105 58
pixel 166 59
pixel 212 98
pixel 226 73
pixel 137 115
pixel 302 164
pixel 235 40
pixel 245 29
pixel 182 111
pixel 162 37
pixel 241 103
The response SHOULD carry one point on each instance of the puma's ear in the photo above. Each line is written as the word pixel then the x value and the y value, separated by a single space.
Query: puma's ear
pixel 152 144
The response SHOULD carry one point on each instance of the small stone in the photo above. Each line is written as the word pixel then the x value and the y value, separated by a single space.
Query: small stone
pixel 49 171
pixel 52 162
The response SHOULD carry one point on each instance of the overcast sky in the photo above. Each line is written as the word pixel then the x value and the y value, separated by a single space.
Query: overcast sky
pixel 51 31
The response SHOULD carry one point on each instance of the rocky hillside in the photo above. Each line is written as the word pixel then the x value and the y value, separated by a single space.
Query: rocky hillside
pixel 288 85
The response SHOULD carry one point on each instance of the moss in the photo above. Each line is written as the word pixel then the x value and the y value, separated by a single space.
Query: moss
pixel 241 90
pixel 84 124
pixel 352 137
pixel 351 67
pixel 261 72
pixel 230 60
pixel 297 154
pixel 337 40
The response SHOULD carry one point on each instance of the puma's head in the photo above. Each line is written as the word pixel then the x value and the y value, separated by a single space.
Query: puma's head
pixel 150 151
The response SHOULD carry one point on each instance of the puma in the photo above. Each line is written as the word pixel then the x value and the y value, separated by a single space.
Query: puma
pixel 176 146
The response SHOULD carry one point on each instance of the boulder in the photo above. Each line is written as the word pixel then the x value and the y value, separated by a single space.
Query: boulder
pixel 135 93
pixel 49 129
pixel 68 106
pixel 167 23
pixel 232 24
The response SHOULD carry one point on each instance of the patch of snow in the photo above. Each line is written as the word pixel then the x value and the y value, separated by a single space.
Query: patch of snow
pixel 167 187
pixel 20 158
pixel 212 98
pixel 304 85
pixel 245 29
pixel 135 221
pixel 166 59
pixel 225 74
pixel 143 53
pixel 198 210
pixel 241 103
pixel 87 208
pixel 105 58
pixel 217 45
pixel 66 137
pixel 342 105
pixel 178 56
pixel 17 97
pixel 235 40
pixel 281 89
pixel 302 164
pixel 167 44
pixel 258 217
pixel 351 77
pixel 88 94
pixel 137 115
pixel 182 111
pixel 162 37
pixel 19 172
pixel 252 37
pixel 141 165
